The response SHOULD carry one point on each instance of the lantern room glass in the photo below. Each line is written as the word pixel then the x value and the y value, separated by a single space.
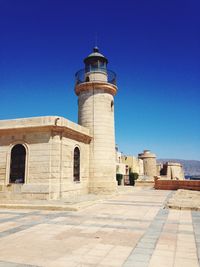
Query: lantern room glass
pixel 95 65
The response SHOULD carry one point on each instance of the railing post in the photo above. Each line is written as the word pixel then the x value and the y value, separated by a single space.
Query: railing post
pixel 80 75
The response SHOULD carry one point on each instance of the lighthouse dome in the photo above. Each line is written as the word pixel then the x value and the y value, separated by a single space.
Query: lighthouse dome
pixel 95 56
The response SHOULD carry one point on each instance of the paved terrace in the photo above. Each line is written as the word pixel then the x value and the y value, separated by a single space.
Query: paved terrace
pixel 129 230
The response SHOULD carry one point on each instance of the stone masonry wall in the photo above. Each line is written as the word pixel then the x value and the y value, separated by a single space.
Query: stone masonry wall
pixel 37 164
pixel 49 165
pixel 150 168
pixel 61 183
pixel 175 171
pixel 96 112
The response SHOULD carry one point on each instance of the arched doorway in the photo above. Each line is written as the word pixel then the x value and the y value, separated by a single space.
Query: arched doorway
pixel 17 164
pixel 76 164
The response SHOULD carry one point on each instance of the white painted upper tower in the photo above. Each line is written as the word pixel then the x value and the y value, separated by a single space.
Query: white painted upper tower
pixel 95 88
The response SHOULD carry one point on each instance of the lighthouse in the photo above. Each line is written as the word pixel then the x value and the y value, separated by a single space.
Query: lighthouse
pixel 96 87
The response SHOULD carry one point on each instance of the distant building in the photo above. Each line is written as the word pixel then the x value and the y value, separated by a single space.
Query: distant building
pixel 133 164
pixel 120 166
pixel 149 163
pixel 172 171
pixel 147 167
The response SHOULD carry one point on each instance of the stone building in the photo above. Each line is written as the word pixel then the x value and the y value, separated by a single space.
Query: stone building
pixel 149 163
pixel 52 157
pixel 133 164
pixel 120 166
pixel 147 168
pixel 172 171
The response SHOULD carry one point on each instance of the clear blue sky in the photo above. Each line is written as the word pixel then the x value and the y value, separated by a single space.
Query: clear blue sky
pixel 153 46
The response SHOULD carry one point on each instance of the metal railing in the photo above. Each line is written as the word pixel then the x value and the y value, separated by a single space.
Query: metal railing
pixel 81 76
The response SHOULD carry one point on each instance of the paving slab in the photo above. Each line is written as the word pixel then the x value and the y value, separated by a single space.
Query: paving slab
pixel 130 229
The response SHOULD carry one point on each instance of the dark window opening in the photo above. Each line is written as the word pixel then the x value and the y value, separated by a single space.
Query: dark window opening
pixel 17 164
pixel 87 79
pixel 112 105
pixel 76 165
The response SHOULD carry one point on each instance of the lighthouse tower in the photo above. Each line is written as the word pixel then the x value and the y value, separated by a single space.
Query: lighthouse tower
pixel 96 88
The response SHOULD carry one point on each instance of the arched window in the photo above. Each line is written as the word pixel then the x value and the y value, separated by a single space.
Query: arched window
pixel 76 164
pixel 17 164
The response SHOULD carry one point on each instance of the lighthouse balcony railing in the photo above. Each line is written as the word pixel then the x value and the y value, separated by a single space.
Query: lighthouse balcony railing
pixel 82 75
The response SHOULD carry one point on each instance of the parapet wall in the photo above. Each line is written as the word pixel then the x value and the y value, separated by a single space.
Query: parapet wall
pixel 176 184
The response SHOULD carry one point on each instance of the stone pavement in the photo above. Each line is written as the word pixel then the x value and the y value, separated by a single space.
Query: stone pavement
pixel 185 199
pixel 130 229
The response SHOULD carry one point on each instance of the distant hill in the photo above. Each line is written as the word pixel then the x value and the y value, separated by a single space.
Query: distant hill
pixel 191 167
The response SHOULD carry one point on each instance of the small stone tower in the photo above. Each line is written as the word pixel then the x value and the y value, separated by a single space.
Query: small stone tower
pixel 149 163
pixel 95 88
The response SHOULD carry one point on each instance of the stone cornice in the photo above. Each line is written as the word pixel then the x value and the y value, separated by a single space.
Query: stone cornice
pixel 72 134
pixel 55 130
pixel 107 87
